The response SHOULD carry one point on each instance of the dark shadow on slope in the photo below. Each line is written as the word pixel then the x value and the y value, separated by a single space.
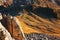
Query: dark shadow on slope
pixel 45 12
pixel 42 12
pixel 29 8
pixel 14 9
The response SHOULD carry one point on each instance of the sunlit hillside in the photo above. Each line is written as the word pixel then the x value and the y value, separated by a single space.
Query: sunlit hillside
pixel 29 20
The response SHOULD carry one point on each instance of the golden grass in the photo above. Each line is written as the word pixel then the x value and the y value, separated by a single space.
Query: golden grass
pixel 28 26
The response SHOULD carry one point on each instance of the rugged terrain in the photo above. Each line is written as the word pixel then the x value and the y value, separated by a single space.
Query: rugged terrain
pixel 37 21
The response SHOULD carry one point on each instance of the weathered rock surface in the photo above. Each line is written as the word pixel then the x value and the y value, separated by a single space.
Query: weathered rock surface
pixel 5 3
pixel 35 27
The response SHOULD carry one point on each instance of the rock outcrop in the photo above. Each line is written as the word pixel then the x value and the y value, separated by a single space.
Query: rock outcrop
pixel 34 26
pixel 10 25
pixel 5 3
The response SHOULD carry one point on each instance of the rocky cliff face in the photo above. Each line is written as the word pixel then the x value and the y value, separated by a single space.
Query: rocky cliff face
pixel 48 3
pixel 52 4
pixel 39 28
pixel 10 25
pixel 5 3
pixel 41 22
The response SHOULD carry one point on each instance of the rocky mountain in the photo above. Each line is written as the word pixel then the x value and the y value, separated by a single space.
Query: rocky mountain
pixel 35 20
